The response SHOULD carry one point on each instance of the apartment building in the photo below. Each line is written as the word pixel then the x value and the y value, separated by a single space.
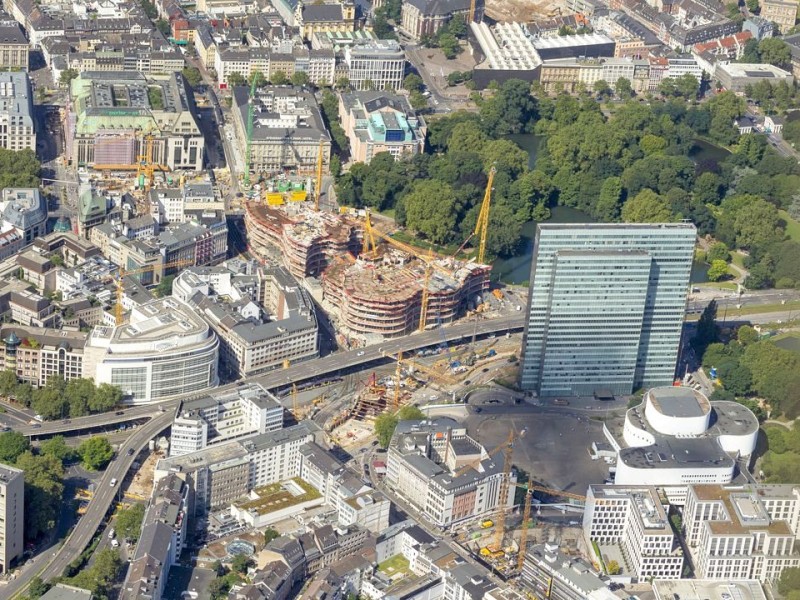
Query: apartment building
pixel 14 48
pixel 549 573
pixel 742 532
pixel 262 320
pixel 175 205
pixel 287 130
pixel 31 309
pixel 12 516
pixel 220 417
pixel 568 74
pixel 443 472
pixel 634 520
pixel 35 354
pixel 17 127
pixel 376 121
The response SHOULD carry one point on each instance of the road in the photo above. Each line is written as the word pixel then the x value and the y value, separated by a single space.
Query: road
pixel 299 371
pixel 748 299
pixel 91 522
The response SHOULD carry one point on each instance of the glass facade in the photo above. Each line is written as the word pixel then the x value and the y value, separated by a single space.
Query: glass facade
pixel 606 307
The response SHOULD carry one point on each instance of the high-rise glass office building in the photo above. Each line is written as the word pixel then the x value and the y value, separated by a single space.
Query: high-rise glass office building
pixel 606 307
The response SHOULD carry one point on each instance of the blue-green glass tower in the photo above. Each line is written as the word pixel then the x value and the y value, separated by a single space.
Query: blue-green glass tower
pixel 606 307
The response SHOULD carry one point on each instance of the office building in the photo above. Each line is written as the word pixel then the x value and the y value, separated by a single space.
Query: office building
pixel 111 113
pixel 223 416
pixel 287 130
pixel 701 589
pixel 676 437
pixel 17 127
pixel 12 516
pixel 444 473
pixel 381 122
pixel 165 350
pixel 62 591
pixel 606 307
pixel 633 520
pixel 735 77
pixel 379 63
pixel 549 573
pixel 742 532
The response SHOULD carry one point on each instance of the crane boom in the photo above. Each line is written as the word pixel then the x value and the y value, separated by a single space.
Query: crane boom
pixel 502 500
pixel 122 273
pixel 523 540
pixel 482 224
pixel 249 143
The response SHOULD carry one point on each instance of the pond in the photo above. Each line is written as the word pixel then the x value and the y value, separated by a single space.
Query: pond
pixel 704 151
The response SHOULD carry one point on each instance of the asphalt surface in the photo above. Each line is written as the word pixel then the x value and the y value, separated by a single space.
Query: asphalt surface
pixel 91 522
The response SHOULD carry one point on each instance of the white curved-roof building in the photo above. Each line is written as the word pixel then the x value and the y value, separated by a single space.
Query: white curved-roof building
pixel 165 350
pixel 676 436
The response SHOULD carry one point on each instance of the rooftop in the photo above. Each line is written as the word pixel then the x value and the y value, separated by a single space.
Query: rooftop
pixel 679 401
pixel 700 589
pixel 277 496
pixel 15 98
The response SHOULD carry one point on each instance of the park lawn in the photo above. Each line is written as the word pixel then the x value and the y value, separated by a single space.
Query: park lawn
pixel 721 285
pixel 737 258
pixel 788 341
pixel 792 226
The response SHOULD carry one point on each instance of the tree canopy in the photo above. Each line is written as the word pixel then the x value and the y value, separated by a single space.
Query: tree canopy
pixel 129 522
pixel 96 452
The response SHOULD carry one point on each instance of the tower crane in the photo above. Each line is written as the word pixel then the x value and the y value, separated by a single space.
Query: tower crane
pixel 248 148
pixel 122 273
pixel 423 306
pixel 482 224
pixel 318 186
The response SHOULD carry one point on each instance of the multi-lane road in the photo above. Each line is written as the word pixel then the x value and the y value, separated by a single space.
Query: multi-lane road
pixel 58 560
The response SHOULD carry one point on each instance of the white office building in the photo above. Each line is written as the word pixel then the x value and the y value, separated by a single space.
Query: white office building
pixel 220 417
pixel 17 128
pixel 379 63
pixel 633 520
pixel 606 307
pixel 742 532
pixel 12 516
pixel 165 350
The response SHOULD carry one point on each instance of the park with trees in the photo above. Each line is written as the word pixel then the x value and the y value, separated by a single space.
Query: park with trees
pixel 632 165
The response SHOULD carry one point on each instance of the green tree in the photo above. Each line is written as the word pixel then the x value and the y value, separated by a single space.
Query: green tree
pixel 436 221
pixel 449 45
pixel 12 445
pixel 57 447
pixel 279 78
pixel 258 78
pixel 95 453
pixel 37 588
pixel 342 84
pixel 105 397
pixel 413 82
pixel 163 26
pixel 613 567
pixel 50 403
pixel 457 26
pixel 718 270
pixel 601 87
pixel 300 79
pixel 270 534
pixel 384 427
pixel 708 188
pixel 718 251
pixel 652 144
pixel 735 377
pixel 67 75
pixel 129 522
pixel 418 101
pixel 8 381
pixel 78 393
pixel 608 204
pixel 164 287
pixel 236 79
pixel 23 393
pixel 240 563
pixel 193 76
pixel 746 335
pixel 646 207
pixel 623 88
pixel 43 488
pixel 774 51
pixel 789 581
pixel 99 578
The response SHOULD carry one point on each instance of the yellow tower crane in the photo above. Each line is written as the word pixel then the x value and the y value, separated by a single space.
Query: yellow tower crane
pixel 318 186
pixel 423 307
pixel 502 500
pixel 397 373
pixel 482 224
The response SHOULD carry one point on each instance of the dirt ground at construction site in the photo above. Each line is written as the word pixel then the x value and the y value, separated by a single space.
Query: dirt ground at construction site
pixel 142 483
pixel 522 10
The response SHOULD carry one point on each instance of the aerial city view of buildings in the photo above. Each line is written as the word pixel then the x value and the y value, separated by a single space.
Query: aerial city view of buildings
pixel 400 299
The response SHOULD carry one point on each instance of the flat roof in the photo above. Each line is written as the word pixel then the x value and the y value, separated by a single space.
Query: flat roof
pixel 679 401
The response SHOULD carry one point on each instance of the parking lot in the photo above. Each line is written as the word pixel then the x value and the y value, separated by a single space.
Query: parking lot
pixel 554 449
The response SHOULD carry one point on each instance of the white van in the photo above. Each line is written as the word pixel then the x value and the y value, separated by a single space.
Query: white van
pixel 113 481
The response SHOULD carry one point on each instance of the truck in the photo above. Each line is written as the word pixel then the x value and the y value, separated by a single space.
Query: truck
pixel 497 294
pixel 487 524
